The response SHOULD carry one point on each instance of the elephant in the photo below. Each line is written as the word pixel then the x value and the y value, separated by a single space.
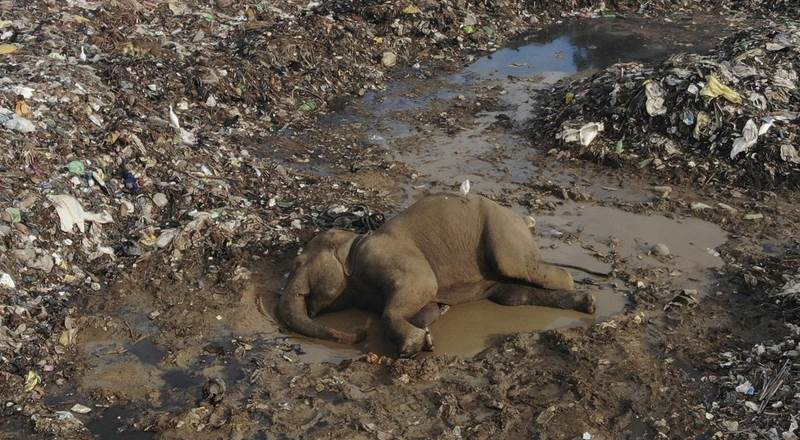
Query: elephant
pixel 443 250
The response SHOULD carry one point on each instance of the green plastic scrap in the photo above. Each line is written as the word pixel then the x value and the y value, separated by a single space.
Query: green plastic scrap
pixel 308 106
pixel 15 214
pixel 76 167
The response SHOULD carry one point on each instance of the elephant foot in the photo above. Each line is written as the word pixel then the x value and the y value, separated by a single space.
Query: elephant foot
pixel 413 342
pixel 588 304
pixel 428 340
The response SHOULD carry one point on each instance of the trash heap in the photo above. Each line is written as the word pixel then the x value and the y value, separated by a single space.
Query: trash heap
pixel 758 390
pixel 728 117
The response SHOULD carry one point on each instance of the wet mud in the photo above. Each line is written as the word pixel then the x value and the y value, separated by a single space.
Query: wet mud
pixel 146 364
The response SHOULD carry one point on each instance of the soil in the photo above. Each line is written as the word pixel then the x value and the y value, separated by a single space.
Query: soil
pixel 642 367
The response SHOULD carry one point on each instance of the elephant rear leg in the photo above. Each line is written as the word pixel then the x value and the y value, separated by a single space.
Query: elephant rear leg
pixel 517 295
pixel 515 255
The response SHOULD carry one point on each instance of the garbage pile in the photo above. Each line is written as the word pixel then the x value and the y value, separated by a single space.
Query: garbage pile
pixel 758 390
pixel 757 385
pixel 728 117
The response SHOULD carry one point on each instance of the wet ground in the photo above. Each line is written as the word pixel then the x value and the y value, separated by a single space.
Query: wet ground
pixel 447 128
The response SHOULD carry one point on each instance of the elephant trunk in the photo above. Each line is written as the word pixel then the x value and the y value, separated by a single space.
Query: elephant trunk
pixel 293 311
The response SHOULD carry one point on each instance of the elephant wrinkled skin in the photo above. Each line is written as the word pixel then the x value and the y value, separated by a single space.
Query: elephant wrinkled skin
pixel 445 249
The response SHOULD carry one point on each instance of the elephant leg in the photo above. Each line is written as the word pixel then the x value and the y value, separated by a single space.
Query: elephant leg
pixel 515 255
pixel 401 307
pixel 516 295
pixel 428 315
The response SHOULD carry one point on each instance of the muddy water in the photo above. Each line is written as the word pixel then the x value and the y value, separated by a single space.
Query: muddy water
pixel 464 330
pixel 497 161
pixel 501 162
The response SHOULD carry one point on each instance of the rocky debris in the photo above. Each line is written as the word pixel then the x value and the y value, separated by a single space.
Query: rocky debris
pixel 214 390
pixel 661 250
pixel 728 117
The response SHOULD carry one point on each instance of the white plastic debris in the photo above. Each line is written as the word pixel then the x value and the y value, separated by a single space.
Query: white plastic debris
pixel 80 409
pixel 655 99
pixel 768 123
pixel 25 92
pixel 587 436
pixel 71 213
pixel 700 206
pixel 792 286
pixel 160 199
pixel 20 124
pixel 166 238
pixel 746 388
pixel 465 187
pixel 585 135
pixel 731 425
pixel 7 282
pixel 748 139
pixel 789 153
pixel 187 137
pixel 173 119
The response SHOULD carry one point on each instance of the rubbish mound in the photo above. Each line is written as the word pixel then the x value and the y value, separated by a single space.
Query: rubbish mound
pixel 728 117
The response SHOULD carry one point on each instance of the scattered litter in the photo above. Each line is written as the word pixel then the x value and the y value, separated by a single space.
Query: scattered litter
pixel 80 409
pixel 746 389
pixel 71 213
pixel 584 135
pixel 464 188
pixel 714 88
pixel 748 139
pixel 7 282
pixel 32 380
pixel 76 167
pixel 661 250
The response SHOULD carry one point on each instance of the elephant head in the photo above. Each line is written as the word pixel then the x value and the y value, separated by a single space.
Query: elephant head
pixel 318 278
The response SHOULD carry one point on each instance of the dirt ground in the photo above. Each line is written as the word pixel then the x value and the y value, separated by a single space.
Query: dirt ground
pixel 675 336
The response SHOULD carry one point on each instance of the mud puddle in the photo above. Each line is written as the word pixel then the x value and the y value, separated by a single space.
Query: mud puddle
pixel 501 162
pixel 128 364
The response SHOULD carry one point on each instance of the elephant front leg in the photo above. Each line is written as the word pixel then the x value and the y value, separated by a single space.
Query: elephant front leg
pixel 427 316
pixel 403 308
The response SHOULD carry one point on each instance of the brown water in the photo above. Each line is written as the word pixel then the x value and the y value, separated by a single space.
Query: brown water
pixel 465 329
pixel 501 161
pixel 497 162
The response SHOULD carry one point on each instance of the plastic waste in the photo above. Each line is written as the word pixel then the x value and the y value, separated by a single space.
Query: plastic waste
pixel 714 88
pixel 584 135
pixel 747 140
pixel 71 213
pixel 18 123
pixel 655 99
pixel 7 282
